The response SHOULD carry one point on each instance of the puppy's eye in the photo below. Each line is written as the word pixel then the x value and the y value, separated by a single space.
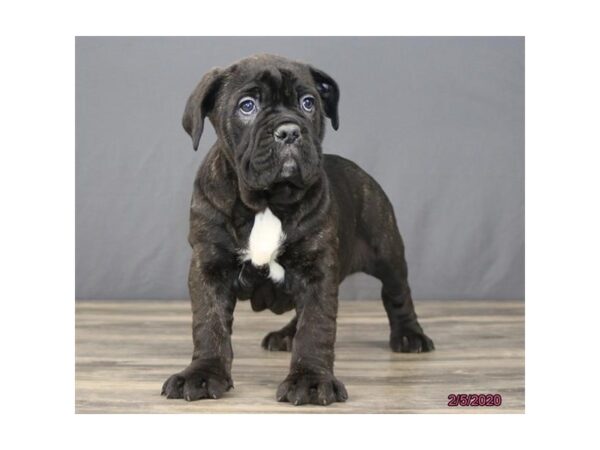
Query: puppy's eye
pixel 308 103
pixel 247 105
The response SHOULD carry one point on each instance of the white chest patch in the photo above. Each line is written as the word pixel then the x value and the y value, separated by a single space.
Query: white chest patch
pixel 264 244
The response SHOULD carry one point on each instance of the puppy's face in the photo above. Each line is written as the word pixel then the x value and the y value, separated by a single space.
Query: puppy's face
pixel 269 114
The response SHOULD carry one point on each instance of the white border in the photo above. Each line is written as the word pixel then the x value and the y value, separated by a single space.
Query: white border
pixel 37 190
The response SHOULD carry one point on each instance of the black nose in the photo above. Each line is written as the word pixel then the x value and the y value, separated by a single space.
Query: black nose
pixel 288 133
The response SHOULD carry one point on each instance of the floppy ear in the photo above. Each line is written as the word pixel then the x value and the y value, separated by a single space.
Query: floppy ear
pixel 200 104
pixel 329 93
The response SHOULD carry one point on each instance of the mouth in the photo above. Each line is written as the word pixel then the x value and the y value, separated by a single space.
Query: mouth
pixel 269 165
pixel 289 168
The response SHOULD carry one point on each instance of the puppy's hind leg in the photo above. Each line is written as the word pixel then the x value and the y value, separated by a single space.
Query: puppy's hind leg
pixel 281 340
pixel 389 266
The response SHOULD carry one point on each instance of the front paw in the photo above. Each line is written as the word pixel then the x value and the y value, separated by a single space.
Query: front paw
pixel 318 389
pixel 409 341
pixel 199 380
pixel 277 341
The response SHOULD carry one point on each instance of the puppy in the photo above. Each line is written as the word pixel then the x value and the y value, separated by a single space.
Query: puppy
pixel 275 220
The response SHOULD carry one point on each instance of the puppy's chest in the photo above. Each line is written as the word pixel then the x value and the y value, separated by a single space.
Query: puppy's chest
pixel 261 241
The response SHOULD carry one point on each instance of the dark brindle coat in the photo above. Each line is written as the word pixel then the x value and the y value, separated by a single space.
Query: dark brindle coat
pixel 337 220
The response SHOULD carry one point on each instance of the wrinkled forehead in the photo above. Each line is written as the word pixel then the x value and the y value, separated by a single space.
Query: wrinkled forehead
pixel 276 75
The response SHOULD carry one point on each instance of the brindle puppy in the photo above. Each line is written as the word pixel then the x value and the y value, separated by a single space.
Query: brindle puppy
pixel 276 221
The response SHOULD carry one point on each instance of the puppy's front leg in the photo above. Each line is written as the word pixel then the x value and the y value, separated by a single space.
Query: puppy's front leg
pixel 213 302
pixel 311 378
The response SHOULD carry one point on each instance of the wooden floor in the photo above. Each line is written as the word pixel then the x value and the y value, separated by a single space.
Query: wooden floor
pixel 126 349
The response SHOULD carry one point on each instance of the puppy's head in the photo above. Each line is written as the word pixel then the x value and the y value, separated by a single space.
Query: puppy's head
pixel 268 113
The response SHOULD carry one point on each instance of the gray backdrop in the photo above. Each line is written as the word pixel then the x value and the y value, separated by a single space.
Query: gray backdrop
pixel 439 122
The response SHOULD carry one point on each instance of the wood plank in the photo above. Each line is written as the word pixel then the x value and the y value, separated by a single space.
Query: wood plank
pixel 125 349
